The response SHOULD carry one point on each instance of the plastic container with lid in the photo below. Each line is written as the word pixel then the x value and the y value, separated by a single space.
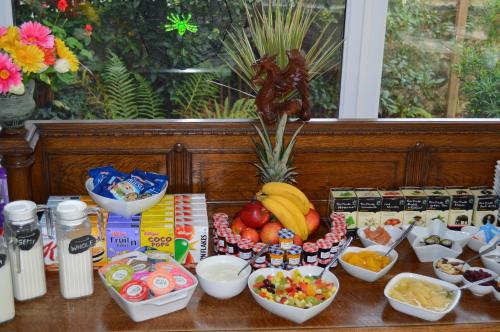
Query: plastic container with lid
pixel 74 248
pixel 135 291
pixel 119 275
pixel 25 248
pixel 160 283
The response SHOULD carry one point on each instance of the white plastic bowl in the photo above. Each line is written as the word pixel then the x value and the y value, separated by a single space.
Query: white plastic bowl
pixel 124 208
pixel 438 228
pixel 394 232
pixel 294 314
pixel 422 313
pixel 454 279
pixel 223 289
pixel 491 263
pixel 429 253
pixel 479 290
pixel 157 306
pixel 365 274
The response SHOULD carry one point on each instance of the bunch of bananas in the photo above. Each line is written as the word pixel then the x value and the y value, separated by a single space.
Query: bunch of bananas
pixel 288 204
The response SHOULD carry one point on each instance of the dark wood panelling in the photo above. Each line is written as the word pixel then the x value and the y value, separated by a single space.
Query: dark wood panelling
pixel 215 156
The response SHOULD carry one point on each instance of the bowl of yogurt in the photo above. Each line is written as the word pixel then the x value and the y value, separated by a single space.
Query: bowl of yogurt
pixel 218 276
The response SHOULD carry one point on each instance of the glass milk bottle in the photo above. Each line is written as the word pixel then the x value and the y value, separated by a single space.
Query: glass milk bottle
pixel 25 249
pixel 7 311
pixel 74 248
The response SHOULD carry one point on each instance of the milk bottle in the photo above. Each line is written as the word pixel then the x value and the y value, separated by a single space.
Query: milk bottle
pixel 74 248
pixel 25 249
pixel 6 296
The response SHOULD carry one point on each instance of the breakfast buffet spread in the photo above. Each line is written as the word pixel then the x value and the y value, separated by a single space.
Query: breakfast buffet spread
pixel 152 249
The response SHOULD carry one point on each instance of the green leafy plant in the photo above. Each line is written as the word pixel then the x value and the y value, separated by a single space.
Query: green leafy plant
pixel 243 108
pixel 194 94
pixel 149 103
pixel 273 31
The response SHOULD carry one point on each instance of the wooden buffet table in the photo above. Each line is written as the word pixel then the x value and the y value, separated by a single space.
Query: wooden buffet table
pixel 358 307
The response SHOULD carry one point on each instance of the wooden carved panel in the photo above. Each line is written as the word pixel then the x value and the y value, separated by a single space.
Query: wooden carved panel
pixel 66 174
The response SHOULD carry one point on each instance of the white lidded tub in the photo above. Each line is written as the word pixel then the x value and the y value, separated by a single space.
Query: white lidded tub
pixel 156 306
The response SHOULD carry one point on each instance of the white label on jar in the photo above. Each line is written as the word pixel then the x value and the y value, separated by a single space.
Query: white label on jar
pixel 221 243
pixel 180 280
pixel 160 282
pixel 120 275
pixel 293 261
pixel 334 250
pixel 276 261
pixel 311 259
pixel 324 255
pixel 260 260
pixel 245 255
pixel 285 245
pixel 134 290
pixel 230 249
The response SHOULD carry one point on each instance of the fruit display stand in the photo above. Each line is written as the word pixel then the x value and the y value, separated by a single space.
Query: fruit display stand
pixel 359 306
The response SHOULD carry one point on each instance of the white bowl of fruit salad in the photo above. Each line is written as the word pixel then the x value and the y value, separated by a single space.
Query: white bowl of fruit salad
pixel 421 296
pixel 296 295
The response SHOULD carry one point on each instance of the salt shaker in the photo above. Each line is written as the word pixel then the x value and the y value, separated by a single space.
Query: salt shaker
pixel 74 248
pixel 7 311
pixel 25 248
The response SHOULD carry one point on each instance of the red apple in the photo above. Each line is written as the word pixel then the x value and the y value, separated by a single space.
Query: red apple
pixel 254 215
pixel 297 240
pixel 251 234
pixel 237 226
pixel 312 220
pixel 269 233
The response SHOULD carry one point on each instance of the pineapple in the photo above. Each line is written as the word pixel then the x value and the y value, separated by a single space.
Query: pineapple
pixel 275 163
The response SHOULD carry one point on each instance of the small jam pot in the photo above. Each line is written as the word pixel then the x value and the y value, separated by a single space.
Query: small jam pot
pixel 245 249
pixel 310 250
pixel 324 248
pixel 119 275
pixel 135 291
pixel 260 262
pixel 232 244
pixel 293 255
pixel 182 280
pixel 286 238
pixel 160 283
pixel 276 255
pixel 222 232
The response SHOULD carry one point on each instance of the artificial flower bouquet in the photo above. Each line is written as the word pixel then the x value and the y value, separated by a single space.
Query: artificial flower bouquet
pixel 31 51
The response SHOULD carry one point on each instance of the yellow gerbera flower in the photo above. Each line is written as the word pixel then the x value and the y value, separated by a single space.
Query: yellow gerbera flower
pixel 28 57
pixel 9 40
pixel 63 52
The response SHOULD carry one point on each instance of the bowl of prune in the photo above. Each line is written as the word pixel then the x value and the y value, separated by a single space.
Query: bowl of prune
pixel 478 273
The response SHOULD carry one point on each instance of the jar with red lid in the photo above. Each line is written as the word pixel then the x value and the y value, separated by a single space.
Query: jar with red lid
pixel 232 244
pixel 324 248
pixel 335 239
pixel 245 249
pixel 261 261
pixel 222 232
pixel 310 253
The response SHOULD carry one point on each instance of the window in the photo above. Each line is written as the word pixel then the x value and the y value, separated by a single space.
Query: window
pixel 441 59
pixel 164 56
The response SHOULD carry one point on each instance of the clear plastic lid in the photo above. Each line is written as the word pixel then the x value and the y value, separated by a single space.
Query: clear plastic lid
pixel 20 212
pixel 71 212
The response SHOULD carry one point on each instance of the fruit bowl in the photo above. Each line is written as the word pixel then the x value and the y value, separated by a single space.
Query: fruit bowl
pixel 394 232
pixel 294 314
pixel 124 208
pixel 491 263
pixel 420 312
pixel 365 274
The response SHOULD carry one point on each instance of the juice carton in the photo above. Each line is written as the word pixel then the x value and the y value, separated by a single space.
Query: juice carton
pixel 158 234
pixel 461 207
pixel 369 207
pixel 438 204
pixel 122 236
pixel 415 206
pixel 393 205
pixel 343 204
pixel 486 204
pixel 191 242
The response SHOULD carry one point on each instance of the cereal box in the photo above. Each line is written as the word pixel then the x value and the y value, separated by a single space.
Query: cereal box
pixel 461 207
pixel 415 206
pixel 122 235
pixel 343 203
pixel 486 204
pixel 438 204
pixel 191 242
pixel 159 235
pixel 393 205
pixel 369 207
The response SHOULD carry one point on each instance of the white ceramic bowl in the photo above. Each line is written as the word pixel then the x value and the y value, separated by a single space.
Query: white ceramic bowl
pixel 438 228
pixel 365 274
pixel 454 279
pixel 124 208
pixel 496 293
pixel 429 253
pixel 477 237
pixel 491 263
pixel 479 290
pixel 422 313
pixel 394 232
pixel 222 289
pixel 294 314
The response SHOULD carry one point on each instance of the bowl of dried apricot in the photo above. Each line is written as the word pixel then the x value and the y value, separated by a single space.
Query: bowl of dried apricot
pixel 368 264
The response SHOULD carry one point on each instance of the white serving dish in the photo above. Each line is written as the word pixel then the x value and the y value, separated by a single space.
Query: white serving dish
pixel 496 293
pixel 477 237
pixel 440 229
pixel 454 279
pixel 491 263
pixel 422 313
pixel 223 289
pixel 429 253
pixel 157 306
pixel 124 208
pixel 479 290
pixel 294 314
pixel 394 232
pixel 365 274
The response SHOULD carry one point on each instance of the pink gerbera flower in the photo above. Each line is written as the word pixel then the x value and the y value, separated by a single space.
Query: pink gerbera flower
pixel 3 31
pixel 10 74
pixel 33 33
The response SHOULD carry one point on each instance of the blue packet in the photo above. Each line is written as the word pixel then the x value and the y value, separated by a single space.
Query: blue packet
pixel 159 182
pixel 104 177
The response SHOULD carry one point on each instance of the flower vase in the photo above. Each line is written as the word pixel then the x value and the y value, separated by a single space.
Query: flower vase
pixel 15 109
